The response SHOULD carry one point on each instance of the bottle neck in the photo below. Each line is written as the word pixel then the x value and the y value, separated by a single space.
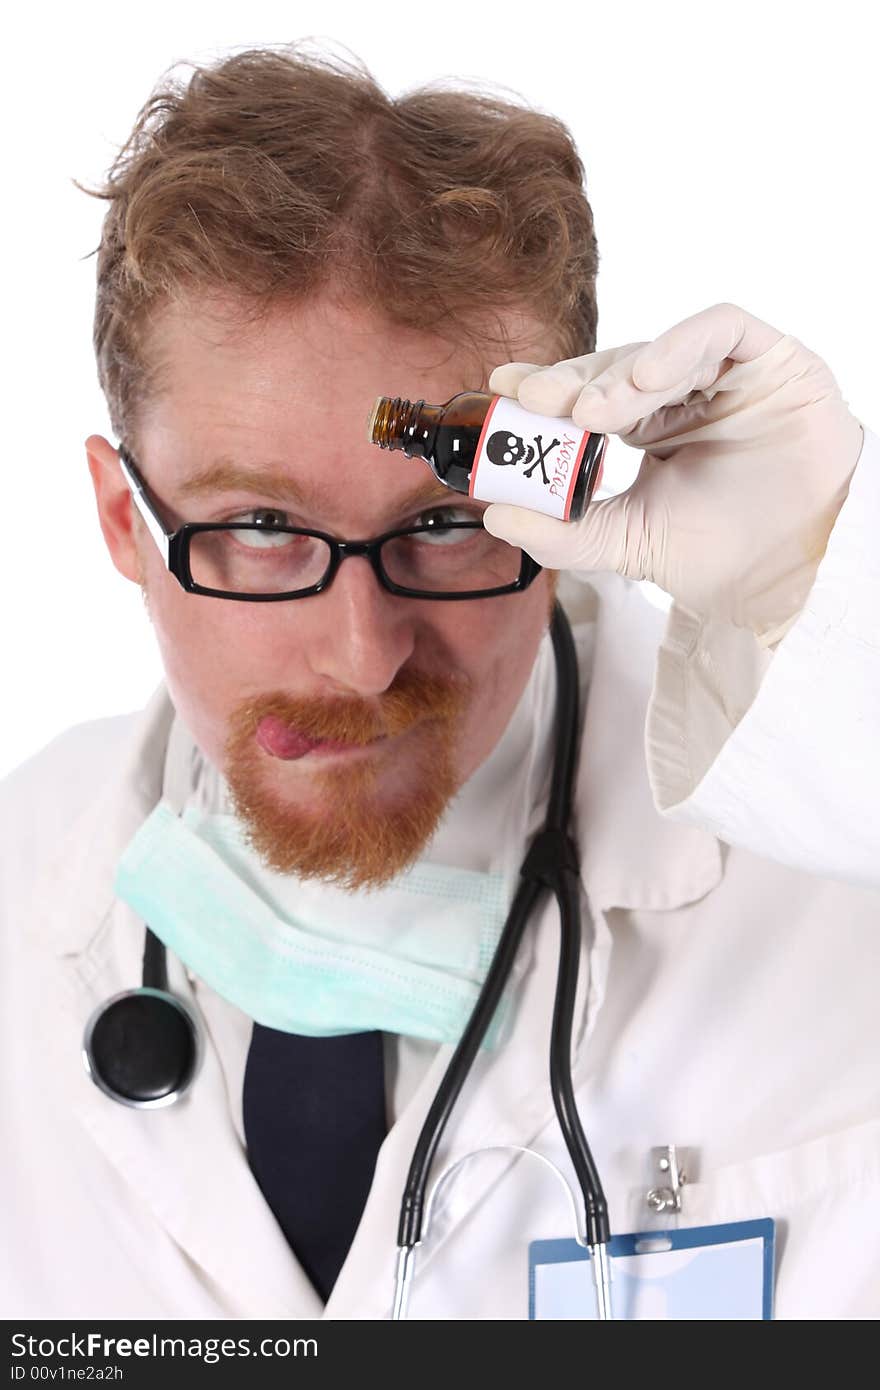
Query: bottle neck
pixel 407 425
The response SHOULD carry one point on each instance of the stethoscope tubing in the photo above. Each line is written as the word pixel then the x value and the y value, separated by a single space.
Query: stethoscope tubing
pixel 561 1086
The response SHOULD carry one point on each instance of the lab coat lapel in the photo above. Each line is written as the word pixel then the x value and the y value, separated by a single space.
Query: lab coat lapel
pixel 185 1162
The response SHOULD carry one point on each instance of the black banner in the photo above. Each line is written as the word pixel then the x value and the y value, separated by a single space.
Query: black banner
pixel 213 1354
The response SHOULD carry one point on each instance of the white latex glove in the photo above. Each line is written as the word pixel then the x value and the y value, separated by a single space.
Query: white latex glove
pixel 749 453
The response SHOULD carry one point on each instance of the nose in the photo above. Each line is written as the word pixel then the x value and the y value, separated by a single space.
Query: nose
pixel 363 635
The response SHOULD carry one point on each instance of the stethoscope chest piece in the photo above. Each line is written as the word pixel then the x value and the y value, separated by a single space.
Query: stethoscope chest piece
pixel 142 1048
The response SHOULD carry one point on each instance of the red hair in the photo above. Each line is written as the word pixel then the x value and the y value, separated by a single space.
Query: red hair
pixel 274 174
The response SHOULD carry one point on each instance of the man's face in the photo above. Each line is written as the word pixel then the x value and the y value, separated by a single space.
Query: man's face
pixel 416 692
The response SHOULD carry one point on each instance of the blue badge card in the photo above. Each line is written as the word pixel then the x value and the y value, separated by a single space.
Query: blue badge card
pixel 718 1272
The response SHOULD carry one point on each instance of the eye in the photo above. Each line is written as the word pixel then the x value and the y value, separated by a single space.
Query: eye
pixel 511 441
pixel 265 521
pixel 262 516
pixel 439 522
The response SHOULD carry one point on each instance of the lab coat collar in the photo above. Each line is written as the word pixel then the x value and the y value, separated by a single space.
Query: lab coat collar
pixel 79 877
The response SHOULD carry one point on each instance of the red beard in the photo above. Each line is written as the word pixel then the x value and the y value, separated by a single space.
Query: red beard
pixel 360 822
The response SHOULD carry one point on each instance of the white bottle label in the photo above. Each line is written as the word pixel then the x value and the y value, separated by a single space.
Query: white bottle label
pixel 528 460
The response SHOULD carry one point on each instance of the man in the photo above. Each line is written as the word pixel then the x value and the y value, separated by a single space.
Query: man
pixel 324 810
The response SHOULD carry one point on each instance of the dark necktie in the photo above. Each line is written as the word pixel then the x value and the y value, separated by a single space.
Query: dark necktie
pixel 314 1120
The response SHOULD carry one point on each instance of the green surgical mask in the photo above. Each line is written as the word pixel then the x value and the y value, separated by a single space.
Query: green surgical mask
pixel 306 957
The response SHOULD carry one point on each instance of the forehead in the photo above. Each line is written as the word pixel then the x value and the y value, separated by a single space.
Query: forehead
pixel 320 360
pixel 292 391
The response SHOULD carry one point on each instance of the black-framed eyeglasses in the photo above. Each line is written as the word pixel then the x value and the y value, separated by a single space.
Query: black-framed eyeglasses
pixel 264 562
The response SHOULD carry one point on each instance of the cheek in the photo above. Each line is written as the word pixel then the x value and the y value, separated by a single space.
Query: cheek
pixel 213 652
pixel 496 647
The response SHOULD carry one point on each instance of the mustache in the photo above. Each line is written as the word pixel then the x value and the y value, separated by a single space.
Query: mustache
pixel 412 698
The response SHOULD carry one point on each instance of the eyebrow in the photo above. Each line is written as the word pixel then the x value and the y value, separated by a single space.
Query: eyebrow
pixel 226 476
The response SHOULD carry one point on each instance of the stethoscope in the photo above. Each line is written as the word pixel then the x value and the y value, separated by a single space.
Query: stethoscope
pixel 143 1046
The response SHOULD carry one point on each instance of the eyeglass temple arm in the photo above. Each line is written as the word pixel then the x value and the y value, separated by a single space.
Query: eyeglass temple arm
pixel 141 501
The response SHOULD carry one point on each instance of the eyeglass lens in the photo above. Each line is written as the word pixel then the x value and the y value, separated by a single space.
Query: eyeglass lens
pixel 259 560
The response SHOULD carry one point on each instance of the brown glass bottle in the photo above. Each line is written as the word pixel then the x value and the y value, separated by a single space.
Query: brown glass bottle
pixel 556 472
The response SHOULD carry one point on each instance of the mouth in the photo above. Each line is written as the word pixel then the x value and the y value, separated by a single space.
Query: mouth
pixel 283 741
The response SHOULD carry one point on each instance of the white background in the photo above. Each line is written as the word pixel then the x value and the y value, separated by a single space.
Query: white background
pixel 730 151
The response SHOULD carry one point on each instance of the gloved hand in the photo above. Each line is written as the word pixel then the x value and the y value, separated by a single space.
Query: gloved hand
pixel 749 452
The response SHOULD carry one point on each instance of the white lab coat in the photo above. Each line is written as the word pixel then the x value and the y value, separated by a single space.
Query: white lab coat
pixel 727 1000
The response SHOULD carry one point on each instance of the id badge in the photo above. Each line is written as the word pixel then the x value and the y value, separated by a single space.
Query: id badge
pixel 702 1272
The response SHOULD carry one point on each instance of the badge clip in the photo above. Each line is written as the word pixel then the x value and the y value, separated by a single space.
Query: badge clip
pixel 668 1161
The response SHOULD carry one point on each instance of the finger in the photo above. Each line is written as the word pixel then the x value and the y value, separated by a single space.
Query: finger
pixel 614 405
pixel 549 541
pixel 702 341
pixel 505 380
pixel 554 390
pixel 597 541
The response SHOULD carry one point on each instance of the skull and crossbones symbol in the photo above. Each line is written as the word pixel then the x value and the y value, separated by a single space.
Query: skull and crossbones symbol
pixel 507 449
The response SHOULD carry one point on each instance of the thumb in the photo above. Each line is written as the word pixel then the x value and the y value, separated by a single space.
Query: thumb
pixel 596 542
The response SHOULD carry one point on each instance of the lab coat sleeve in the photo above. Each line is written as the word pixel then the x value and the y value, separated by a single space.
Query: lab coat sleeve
pixel 779 751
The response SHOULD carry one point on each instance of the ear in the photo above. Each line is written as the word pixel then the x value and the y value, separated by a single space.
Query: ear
pixel 115 511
